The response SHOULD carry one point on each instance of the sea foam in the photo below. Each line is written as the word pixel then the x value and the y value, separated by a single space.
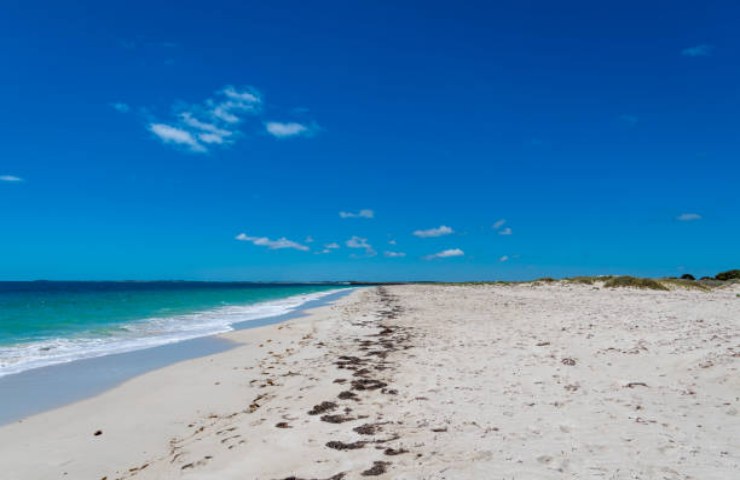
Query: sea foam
pixel 141 334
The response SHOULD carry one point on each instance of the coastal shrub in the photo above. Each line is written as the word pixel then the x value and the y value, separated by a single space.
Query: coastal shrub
pixel 627 281
pixel 684 283
pixel 687 276
pixel 728 275
pixel 583 280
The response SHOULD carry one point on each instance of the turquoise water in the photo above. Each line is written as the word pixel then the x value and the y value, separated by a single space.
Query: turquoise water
pixel 43 323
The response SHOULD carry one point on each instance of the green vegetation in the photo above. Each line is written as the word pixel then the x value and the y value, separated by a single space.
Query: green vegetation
pixel 728 275
pixel 589 280
pixel 582 280
pixel 627 281
pixel 684 283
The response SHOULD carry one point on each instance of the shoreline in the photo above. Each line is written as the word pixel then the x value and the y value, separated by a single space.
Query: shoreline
pixel 41 389
pixel 432 382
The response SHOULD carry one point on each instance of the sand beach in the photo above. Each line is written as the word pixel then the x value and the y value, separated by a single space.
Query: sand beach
pixel 523 381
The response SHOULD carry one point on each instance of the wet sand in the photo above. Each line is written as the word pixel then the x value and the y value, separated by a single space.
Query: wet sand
pixel 428 382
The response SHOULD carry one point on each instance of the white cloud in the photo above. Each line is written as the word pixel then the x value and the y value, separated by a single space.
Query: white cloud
pixel 214 121
pixel 224 114
pixel 392 242
pixel 236 104
pixel 697 51
pixel 453 252
pixel 211 138
pixel 688 217
pixel 394 254
pixel 170 134
pixel 434 232
pixel 329 247
pixel 287 130
pixel 278 244
pixel 364 213
pixel 210 130
pixel 309 239
pixel 220 120
pixel 120 107
pixel 10 179
pixel 505 258
pixel 362 243
pixel 499 223
pixel 505 231
pixel 248 97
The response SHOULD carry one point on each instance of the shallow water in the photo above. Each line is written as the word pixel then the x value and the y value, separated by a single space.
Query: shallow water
pixel 48 323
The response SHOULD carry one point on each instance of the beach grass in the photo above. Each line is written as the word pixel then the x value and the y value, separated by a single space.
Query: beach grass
pixel 706 284
pixel 626 281
pixel 683 283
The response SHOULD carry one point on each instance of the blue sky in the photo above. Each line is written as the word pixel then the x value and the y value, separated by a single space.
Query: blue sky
pixel 368 140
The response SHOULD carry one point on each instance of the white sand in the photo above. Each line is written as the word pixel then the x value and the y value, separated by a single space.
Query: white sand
pixel 479 382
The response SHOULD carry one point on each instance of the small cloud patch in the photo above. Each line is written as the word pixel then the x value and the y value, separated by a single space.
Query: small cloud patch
pixel 219 121
pixel 498 225
pixel 288 130
pixel 10 179
pixel 434 232
pixel 177 136
pixel 453 252
pixel 364 213
pixel 361 243
pixel 688 217
pixel 279 244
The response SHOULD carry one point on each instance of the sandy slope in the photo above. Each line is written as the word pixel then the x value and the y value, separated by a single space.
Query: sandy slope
pixel 484 382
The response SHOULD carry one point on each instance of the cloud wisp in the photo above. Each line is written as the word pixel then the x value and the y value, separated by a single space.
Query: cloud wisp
pixel 688 217
pixel 702 50
pixel 364 213
pixel 504 258
pixel 452 252
pixel 215 121
pixel 329 247
pixel 218 121
pixel 434 232
pixel 177 136
pixel 10 179
pixel 120 107
pixel 289 129
pixel 394 254
pixel 361 243
pixel 498 224
pixel 279 244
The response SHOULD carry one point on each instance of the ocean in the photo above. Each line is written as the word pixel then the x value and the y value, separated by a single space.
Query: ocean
pixel 48 323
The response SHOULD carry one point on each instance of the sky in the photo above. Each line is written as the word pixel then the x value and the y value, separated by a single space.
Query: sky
pixel 368 140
